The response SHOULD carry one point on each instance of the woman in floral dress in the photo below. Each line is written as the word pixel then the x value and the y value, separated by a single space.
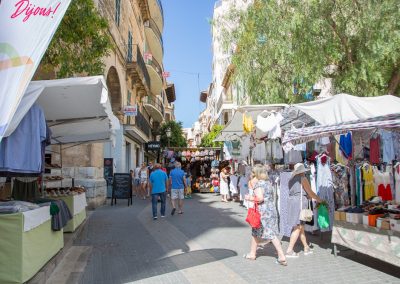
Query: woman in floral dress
pixel 263 194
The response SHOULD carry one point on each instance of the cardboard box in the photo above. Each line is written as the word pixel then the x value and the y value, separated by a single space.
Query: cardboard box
pixel 355 218
pixel 395 225
pixel 342 216
pixel 337 216
pixel 372 219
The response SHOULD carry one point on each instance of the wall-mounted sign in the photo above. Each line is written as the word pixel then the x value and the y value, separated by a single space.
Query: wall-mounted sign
pixel 153 146
pixel 130 110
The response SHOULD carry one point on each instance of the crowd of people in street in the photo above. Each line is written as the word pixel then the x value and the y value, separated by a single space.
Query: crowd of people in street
pixel 153 181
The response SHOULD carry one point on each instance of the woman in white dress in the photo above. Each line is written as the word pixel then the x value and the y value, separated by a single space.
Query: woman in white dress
pixel 224 187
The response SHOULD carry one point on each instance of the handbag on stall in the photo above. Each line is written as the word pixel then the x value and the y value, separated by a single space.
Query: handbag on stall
pixel 254 216
pixel 306 215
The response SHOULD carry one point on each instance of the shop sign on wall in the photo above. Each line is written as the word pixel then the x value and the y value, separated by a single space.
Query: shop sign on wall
pixel 130 110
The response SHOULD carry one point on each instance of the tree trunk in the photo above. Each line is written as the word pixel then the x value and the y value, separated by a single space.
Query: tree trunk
pixel 394 82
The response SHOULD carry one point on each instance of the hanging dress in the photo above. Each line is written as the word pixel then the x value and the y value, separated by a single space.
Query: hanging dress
pixel 325 188
pixel 382 183
pixel 374 150
pixel 368 176
pixel 397 182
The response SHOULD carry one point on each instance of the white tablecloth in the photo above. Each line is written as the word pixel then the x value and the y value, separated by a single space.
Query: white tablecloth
pixel 34 218
pixel 79 203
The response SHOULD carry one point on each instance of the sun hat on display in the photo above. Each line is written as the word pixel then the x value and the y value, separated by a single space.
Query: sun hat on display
pixel 299 168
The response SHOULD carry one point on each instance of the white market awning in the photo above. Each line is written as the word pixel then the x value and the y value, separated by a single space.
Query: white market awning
pixel 303 135
pixel 77 110
pixel 235 125
pixel 343 108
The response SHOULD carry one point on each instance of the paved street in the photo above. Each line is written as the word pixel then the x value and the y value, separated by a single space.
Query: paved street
pixel 123 244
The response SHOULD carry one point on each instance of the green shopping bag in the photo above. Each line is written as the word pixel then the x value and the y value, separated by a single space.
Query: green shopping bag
pixel 323 216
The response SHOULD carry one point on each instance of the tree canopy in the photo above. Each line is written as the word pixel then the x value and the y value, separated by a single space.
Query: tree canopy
pixel 177 139
pixel 80 43
pixel 282 48
pixel 208 139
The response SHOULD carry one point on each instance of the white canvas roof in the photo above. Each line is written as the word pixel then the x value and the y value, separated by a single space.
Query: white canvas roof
pixel 76 109
pixel 344 108
pixel 235 125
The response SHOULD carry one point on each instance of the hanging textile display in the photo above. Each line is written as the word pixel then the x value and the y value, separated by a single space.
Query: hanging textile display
pixel 346 145
pixel 368 177
pixel 374 148
pixel 325 186
pixel 248 124
pixel 388 154
pixel 397 181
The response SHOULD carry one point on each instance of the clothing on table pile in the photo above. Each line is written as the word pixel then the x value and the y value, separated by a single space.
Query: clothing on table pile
pixel 382 184
pixel 374 150
pixel 325 188
pixel 25 189
pixel 346 145
pixel 388 154
pixel 284 226
pixel 60 214
pixel 269 229
pixel 30 133
pixel 368 177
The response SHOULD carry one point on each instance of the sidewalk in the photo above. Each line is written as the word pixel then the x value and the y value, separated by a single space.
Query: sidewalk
pixel 123 244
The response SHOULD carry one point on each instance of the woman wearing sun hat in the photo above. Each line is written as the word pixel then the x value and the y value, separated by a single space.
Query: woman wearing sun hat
pixel 299 187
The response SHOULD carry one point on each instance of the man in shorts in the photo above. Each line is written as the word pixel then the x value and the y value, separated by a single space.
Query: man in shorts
pixel 178 183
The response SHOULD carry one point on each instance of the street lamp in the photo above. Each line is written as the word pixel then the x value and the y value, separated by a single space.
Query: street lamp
pixel 169 133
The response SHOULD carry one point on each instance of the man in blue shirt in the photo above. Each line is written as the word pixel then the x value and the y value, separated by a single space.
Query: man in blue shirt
pixel 158 187
pixel 178 185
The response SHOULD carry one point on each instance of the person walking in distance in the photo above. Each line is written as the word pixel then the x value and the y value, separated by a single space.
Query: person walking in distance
pixel 178 184
pixel 144 177
pixel 158 187
pixel 137 180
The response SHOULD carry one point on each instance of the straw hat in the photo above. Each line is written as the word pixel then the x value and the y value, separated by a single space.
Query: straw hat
pixel 299 169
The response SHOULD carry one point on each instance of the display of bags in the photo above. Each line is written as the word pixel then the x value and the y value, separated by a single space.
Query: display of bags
pixel 306 215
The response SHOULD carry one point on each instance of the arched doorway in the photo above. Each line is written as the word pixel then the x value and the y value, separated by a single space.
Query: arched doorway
pixel 114 90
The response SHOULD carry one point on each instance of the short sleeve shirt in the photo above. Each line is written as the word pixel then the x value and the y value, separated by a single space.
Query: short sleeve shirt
pixel 158 180
pixel 177 176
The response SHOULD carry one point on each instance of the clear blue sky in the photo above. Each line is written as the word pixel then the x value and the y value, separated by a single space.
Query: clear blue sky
pixel 187 49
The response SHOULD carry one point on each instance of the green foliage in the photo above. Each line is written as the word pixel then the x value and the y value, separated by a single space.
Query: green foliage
pixel 80 43
pixel 177 139
pixel 282 43
pixel 208 139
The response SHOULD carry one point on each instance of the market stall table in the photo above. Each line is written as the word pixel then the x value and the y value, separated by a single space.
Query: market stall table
pixel 27 243
pixel 378 243
pixel 77 205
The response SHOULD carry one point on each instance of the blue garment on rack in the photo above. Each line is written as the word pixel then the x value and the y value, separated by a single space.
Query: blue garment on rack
pixel 346 145
pixel 21 152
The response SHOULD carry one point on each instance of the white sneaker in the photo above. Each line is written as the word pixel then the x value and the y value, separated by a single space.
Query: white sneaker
pixel 308 252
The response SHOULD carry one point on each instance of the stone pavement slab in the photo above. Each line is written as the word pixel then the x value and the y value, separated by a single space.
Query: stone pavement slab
pixel 205 245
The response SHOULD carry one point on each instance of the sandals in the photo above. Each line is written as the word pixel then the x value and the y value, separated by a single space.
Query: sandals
pixel 281 262
pixel 292 254
pixel 248 256
pixel 308 251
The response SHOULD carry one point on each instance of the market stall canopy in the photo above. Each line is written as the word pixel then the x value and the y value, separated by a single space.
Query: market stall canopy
pixel 344 108
pixel 235 125
pixel 303 135
pixel 77 110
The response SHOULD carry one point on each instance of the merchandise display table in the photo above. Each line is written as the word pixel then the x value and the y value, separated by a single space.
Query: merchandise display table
pixel 378 243
pixel 77 205
pixel 26 246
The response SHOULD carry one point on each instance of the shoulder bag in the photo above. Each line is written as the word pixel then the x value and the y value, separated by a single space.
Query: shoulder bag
pixel 254 216
pixel 306 215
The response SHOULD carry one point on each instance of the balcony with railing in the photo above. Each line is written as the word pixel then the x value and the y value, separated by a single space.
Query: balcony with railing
pixel 154 39
pixel 155 71
pixel 136 67
pixel 154 107
pixel 142 123
pixel 157 13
